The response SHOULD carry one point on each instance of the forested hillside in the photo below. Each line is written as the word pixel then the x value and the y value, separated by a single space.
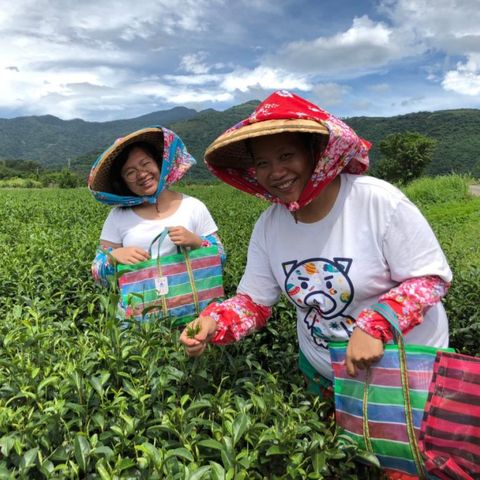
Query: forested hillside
pixel 457 133
pixel 57 143
pixel 51 141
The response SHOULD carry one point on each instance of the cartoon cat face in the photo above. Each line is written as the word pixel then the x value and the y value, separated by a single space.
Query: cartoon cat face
pixel 320 283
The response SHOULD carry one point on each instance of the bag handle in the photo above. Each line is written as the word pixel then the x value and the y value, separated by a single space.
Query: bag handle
pixel 160 238
pixel 389 314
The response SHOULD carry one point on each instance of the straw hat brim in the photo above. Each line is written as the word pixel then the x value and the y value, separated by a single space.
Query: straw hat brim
pixel 229 150
pixel 101 181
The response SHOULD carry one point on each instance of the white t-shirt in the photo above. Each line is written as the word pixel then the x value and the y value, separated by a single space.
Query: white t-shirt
pixel 373 239
pixel 125 227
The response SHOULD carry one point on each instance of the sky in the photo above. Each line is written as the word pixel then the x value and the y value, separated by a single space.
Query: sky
pixel 112 59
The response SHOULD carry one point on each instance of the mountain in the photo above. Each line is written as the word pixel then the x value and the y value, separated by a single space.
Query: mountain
pixel 53 142
pixel 457 133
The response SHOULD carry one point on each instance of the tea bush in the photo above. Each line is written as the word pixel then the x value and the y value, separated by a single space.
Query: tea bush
pixel 82 398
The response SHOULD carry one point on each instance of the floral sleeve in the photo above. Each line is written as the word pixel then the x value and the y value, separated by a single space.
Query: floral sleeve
pixel 236 317
pixel 103 269
pixel 410 300
pixel 214 239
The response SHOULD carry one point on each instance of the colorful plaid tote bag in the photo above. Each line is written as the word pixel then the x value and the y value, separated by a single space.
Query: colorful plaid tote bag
pixel 450 434
pixel 173 287
pixel 382 407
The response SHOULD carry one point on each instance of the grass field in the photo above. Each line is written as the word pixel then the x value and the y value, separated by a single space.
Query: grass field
pixel 82 398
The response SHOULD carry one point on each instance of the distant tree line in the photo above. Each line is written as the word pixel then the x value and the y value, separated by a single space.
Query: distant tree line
pixel 30 174
pixel 403 157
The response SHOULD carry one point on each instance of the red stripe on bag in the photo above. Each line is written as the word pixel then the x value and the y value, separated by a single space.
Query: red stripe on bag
pixel 455 373
pixel 461 456
pixel 205 262
pixel 383 430
pixel 457 449
pixel 355 424
pixel 137 276
pixel 418 380
pixel 182 300
pixel 389 431
pixel 437 431
pixel 454 404
pixel 458 385
pixel 449 424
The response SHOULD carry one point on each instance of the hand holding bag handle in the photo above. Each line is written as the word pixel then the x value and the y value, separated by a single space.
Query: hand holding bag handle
pixel 389 314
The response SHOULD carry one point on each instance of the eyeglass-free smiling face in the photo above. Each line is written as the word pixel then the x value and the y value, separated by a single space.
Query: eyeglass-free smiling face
pixel 141 172
pixel 283 164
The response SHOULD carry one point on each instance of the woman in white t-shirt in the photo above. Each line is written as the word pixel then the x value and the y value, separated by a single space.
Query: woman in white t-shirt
pixel 334 242
pixel 134 175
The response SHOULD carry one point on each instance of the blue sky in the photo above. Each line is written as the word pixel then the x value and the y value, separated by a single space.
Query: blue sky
pixel 110 59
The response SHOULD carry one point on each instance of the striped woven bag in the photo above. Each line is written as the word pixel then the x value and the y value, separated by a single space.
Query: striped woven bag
pixel 174 288
pixel 450 434
pixel 382 407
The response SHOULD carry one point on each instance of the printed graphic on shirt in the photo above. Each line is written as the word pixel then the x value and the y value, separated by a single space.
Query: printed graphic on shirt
pixel 323 289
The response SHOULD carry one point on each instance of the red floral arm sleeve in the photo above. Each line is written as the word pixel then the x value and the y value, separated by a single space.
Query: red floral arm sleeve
pixel 236 317
pixel 410 300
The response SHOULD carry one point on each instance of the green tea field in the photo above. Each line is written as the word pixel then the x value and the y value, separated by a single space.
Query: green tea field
pixel 82 398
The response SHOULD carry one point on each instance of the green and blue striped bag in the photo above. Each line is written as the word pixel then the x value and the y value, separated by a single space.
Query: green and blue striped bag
pixel 174 288
pixel 382 407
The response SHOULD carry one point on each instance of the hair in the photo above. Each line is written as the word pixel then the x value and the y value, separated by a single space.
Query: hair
pixel 119 185
pixel 315 143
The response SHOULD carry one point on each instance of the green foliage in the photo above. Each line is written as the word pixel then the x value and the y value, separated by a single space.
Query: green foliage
pixel 20 169
pixel 15 182
pixel 456 133
pixel 428 191
pixel 476 170
pixel 81 397
pixel 404 157
pixel 52 142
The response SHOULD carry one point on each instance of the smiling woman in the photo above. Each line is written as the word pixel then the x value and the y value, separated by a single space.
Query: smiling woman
pixel 134 175
pixel 334 242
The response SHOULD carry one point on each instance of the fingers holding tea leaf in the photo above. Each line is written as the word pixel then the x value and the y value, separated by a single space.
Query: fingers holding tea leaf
pixel 196 335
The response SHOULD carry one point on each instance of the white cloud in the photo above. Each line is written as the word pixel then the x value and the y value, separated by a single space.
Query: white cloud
pixel 364 47
pixel 194 63
pixel 466 78
pixel 452 26
pixel 264 78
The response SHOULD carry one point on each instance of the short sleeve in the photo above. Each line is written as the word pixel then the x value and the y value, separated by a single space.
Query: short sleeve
pixel 258 281
pixel 205 225
pixel 410 246
pixel 110 231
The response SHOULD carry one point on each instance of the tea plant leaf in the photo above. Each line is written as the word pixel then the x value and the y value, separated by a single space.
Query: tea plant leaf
pixel 200 473
pixel 28 459
pixel 368 457
pixel 81 451
pixel 210 443
pixel 318 461
pixel 218 472
pixel 102 471
pixel 239 427
pixel 103 451
pixel 180 453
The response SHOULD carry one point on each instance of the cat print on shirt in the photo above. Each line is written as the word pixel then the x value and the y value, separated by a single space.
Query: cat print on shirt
pixel 322 288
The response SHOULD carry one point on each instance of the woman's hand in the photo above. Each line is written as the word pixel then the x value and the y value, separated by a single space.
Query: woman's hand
pixel 182 237
pixel 196 335
pixel 130 255
pixel 362 351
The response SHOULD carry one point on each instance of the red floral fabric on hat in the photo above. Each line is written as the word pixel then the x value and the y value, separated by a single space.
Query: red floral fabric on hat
pixel 345 151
